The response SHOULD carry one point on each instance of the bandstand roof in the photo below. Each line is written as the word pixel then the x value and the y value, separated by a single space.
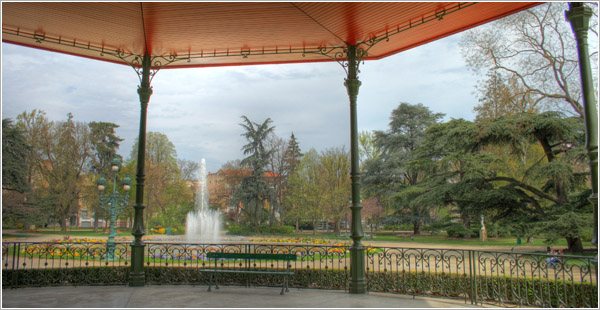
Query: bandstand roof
pixel 200 34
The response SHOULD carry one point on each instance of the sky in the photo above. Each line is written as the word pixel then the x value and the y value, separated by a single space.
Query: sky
pixel 200 109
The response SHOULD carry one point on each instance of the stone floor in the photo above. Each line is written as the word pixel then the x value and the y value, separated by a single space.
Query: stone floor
pixel 189 296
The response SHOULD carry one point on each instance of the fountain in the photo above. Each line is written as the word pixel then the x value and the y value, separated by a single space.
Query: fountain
pixel 203 224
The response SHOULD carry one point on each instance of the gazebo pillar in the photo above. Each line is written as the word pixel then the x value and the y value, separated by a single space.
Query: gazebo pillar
pixel 357 251
pixel 579 16
pixel 137 275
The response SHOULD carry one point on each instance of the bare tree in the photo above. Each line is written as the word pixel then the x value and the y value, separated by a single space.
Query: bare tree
pixel 276 164
pixel 536 48
pixel 188 169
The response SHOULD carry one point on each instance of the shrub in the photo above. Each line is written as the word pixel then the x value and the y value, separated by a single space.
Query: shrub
pixel 397 227
pixel 238 230
pixel 459 230
pixel 242 230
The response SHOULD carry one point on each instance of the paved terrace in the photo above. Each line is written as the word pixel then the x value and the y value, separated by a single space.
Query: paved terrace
pixel 196 296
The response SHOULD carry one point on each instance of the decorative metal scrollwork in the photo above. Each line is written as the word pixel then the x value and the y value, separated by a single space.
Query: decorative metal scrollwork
pixel 135 61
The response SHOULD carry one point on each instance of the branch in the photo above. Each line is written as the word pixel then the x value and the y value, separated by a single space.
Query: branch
pixel 530 188
pixel 534 202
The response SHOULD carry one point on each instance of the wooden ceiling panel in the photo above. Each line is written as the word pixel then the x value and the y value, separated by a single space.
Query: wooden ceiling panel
pixel 238 33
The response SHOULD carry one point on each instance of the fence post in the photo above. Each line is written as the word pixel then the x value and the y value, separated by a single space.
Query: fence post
pixel 16 252
pixel 474 269
pixel 471 282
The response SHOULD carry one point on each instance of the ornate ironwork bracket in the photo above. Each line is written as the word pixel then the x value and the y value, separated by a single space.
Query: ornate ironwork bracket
pixel 136 62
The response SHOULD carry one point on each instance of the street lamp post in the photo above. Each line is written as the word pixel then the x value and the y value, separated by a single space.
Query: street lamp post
pixel 114 203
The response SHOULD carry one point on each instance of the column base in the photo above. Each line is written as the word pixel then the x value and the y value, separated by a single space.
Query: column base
pixel 137 279
pixel 358 285
pixel 358 288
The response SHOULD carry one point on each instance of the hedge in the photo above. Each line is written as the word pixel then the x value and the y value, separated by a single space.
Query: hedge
pixel 489 289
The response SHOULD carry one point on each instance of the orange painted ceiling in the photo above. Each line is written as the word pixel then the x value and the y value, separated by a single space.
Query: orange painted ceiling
pixel 198 34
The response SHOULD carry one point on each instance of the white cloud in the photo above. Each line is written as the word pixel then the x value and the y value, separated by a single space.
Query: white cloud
pixel 200 109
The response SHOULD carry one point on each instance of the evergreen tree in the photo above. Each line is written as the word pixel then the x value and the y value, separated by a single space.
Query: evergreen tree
pixel 291 160
pixel 293 155
pixel 15 184
pixel 14 158
pixel 105 144
pixel 388 175
pixel 550 183
pixel 254 191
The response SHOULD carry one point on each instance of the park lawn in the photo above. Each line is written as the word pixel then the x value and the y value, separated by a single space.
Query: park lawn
pixel 379 236
pixel 81 232
pixel 441 239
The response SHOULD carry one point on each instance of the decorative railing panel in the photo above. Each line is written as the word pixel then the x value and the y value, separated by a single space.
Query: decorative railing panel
pixel 478 277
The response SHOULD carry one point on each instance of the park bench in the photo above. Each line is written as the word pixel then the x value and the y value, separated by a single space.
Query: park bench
pixel 250 266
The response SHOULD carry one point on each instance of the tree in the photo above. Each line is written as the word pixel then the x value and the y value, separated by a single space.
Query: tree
pixel 35 127
pixel 65 151
pixel 389 174
pixel 36 207
pixel 554 177
pixel 165 193
pixel 451 154
pixel 256 149
pixel 305 199
pixel 277 166
pixel 368 150
pixel 291 160
pixel 500 96
pixel 189 169
pixel 14 176
pixel 537 48
pixel 14 158
pixel 292 155
pixel 105 144
pixel 373 212
pixel 334 171
pixel 254 191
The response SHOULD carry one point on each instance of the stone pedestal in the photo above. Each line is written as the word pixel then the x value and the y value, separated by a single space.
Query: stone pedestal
pixel 483 234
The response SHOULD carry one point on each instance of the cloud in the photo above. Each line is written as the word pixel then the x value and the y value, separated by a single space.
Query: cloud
pixel 199 109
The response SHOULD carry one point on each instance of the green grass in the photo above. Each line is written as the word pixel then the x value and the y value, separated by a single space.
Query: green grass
pixel 441 239
pixel 79 232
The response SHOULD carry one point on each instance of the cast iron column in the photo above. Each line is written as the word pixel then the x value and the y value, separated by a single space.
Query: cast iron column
pixel 357 251
pixel 579 16
pixel 137 276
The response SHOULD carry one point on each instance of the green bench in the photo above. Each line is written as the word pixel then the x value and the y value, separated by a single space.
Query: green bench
pixel 248 268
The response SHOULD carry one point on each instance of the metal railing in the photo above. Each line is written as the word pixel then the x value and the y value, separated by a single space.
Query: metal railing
pixel 476 276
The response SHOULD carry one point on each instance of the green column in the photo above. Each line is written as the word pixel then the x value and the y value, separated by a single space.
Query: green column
pixel 579 16
pixel 357 251
pixel 137 275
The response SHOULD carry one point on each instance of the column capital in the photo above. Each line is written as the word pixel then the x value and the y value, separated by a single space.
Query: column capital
pixel 579 17
pixel 144 93
pixel 352 86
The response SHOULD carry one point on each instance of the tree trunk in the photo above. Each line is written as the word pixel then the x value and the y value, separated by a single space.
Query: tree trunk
pixel 297 225
pixel 314 224
pixel 337 227
pixel 95 222
pixel 467 222
pixel 416 228
pixel 63 223
pixel 574 245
